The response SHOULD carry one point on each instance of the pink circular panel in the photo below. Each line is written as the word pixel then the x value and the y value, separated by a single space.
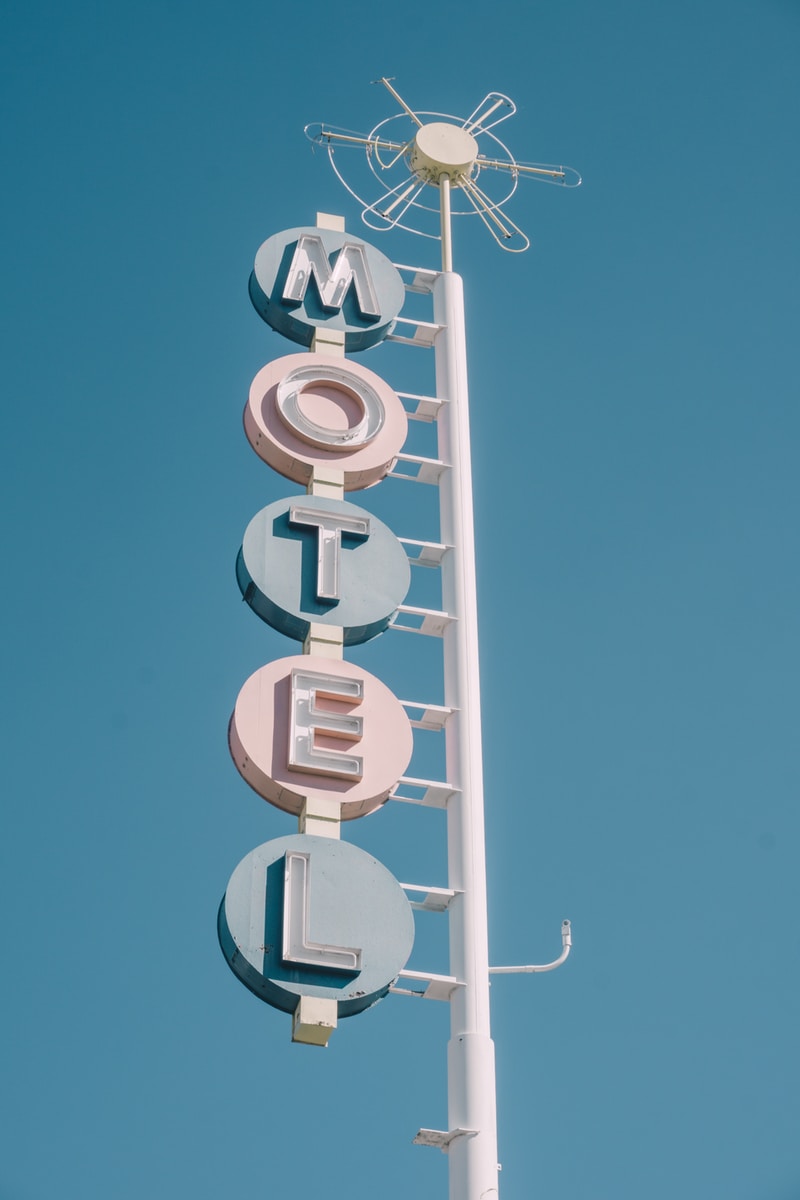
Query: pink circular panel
pixel 321 728
pixel 313 410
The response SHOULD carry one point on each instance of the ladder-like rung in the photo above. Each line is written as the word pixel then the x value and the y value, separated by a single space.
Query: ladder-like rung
pixel 431 716
pixel 441 1139
pixel 432 622
pixel 438 987
pixel 424 332
pixel 429 554
pixel 429 792
pixel 428 470
pixel 422 278
pixel 421 408
pixel 434 899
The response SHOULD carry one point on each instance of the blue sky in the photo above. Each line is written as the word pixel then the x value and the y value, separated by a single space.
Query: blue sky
pixel 635 426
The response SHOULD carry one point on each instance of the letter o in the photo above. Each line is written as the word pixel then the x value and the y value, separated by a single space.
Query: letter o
pixel 287 399
pixel 311 411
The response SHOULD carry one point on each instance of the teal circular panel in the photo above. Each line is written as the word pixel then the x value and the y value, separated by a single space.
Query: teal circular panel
pixel 293 568
pixel 313 916
pixel 308 278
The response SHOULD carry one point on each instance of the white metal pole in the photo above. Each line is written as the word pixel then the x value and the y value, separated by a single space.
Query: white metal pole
pixel 471 1072
pixel 446 223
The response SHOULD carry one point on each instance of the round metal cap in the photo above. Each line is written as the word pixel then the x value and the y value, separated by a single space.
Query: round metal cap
pixel 442 149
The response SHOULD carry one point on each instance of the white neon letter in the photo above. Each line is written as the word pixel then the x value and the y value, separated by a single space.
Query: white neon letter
pixel 306 720
pixel 332 283
pixel 287 401
pixel 330 526
pixel 297 944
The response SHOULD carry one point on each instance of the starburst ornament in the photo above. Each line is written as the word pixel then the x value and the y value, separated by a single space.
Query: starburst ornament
pixel 474 171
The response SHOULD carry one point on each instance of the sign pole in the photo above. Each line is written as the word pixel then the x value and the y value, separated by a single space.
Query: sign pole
pixel 315 735
pixel 471 1071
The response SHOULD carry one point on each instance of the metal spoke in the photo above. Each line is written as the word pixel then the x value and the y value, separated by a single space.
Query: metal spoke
pixel 487 214
pixel 401 151
pixel 399 100
pixel 498 164
pixel 439 152
pixel 483 205
pixel 414 186
pixel 331 135
pixel 474 121
pixel 408 194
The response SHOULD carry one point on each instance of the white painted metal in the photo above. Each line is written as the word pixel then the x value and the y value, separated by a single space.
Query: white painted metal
pixel 444 154
pixel 422 470
pixel 427 716
pixel 432 622
pixel 440 1139
pixel 447 233
pixel 405 161
pixel 429 793
pixel 434 899
pixel 471 1071
pixel 424 554
pixel 421 408
pixel 440 148
pixel 424 332
pixel 566 946
pixel 437 987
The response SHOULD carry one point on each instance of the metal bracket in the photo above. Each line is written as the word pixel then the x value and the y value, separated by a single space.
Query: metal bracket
pixel 566 946
pixel 432 717
pixel 431 621
pixel 420 469
pixel 436 987
pixel 424 332
pixel 438 1137
pixel 421 408
pixel 428 792
pixel 434 899
pixel 422 278
pixel 424 554
pixel 441 987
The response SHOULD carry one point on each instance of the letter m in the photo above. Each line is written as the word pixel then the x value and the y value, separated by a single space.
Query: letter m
pixel 333 282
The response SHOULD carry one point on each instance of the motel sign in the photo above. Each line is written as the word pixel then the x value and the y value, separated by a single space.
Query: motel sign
pixel 309 923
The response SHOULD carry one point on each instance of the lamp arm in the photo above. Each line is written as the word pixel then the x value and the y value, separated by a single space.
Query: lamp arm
pixel 566 946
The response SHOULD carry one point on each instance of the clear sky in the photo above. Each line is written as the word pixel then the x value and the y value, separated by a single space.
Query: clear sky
pixel 635 422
